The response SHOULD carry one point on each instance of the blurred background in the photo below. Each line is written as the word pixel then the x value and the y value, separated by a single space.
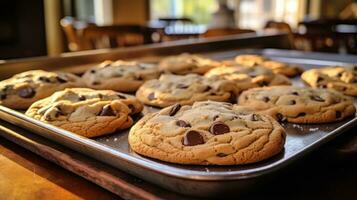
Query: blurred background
pixel 51 27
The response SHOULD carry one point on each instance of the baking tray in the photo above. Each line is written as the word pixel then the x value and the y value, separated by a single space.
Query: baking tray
pixel 206 181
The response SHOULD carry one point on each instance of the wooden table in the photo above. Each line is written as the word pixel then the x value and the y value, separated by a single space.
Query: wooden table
pixel 25 175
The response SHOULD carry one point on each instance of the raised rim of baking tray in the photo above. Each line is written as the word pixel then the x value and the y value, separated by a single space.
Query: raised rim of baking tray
pixel 106 154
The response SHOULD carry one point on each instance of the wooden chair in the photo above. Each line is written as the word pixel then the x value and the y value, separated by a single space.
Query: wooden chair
pixel 216 32
pixel 117 36
pixel 72 30
pixel 282 26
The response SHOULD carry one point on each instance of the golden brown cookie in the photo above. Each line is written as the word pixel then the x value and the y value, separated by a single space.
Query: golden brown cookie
pixel 87 112
pixel 207 133
pixel 123 76
pixel 342 79
pixel 285 69
pixel 21 90
pixel 187 63
pixel 299 105
pixel 185 89
pixel 249 77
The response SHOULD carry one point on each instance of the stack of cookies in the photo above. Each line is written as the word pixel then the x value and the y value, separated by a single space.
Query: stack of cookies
pixel 213 113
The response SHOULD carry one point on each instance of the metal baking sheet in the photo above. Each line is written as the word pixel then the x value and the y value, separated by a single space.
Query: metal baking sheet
pixel 196 180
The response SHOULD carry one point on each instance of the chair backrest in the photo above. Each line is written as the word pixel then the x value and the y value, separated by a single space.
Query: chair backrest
pixel 216 32
pixel 70 27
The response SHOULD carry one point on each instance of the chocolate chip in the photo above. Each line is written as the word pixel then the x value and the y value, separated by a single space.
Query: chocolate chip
pixel 107 111
pixel 232 98
pixel 256 117
pixel 26 92
pixel 218 128
pixel 181 86
pixel 151 96
pixel 339 75
pixel 100 96
pixel 182 123
pixel 280 117
pixel 121 96
pixel 319 79
pixel 295 93
pixel 175 108
pixel 263 83
pixel 323 86
pixel 96 83
pixel 7 88
pixel 61 79
pixel 222 155
pixel 317 98
pixel 92 71
pixel 301 114
pixel 338 114
pixel 192 138
pixel 81 98
pixel 208 88
pixel 139 78
pixel 2 96
pixel 131 107
pixel 44 79
pixel 266 99
pixel 215 117
pixel 292 102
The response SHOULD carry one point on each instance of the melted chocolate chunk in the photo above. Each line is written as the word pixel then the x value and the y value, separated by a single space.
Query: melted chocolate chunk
pixel 292 102
pixel 2 96
pixel 192 138
pixel 26 92
pixel 232 98
pixel 338 114
pixel 44 79
pixel 92 71
pixel 256 117
pixel 263 83
pixel 121 96
pixel 266 99
pixel 215 117
pixel 139 78
pixel 319 79
pixel 295 93
pixel 317 98
pixel 61 79
pixel 151 96
pixel 96 83
pixel 208 88
pixel 182 123
pixel 221 155
pixel 81 98
pixel 131 107
pixel 181 86
pixel 280 117
pixel 301 114
pixel 175 108
pixel 218 128
pixel 107 111
pixel 339 75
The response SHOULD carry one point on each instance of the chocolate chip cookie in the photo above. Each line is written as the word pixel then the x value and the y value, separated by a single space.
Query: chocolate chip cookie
pixel 249 77
pixel 286 69
pixel 187 63
pixel 299 105
pixel 186 89
pixel 21 90
pixel 207 133
pixel 342 79
pixel 123 76
pixel 87 112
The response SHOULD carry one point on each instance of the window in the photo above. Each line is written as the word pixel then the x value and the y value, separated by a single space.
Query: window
pixel 197 10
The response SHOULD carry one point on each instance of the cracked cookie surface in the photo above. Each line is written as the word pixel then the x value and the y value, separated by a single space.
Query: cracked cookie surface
pixel 123 76
pixel 299 105
pixel 87 112
pixel 249 77
pixel 207 133
pixel 286 69
pixel 342 79
pixel 187 63
pixel 21 90
pixel 185 89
